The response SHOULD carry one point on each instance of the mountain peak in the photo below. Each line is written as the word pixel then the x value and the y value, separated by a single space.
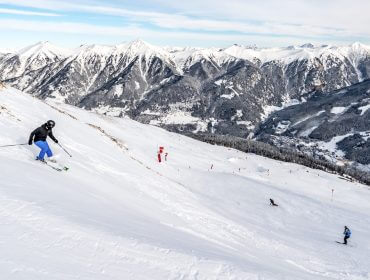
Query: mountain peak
pixel 142 48
pixel 358 45
pixel 94 48
pixel 307 46
pixel 43 47
pixel 139 43
pixel 139 46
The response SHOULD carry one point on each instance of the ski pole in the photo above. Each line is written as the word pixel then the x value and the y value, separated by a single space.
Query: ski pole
pixel 64 150
pixel 13 145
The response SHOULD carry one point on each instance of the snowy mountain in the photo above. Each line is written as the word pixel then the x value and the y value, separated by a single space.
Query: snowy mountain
pixel 223 90
pixel 203 214
pixel 30 66
pixel 335 125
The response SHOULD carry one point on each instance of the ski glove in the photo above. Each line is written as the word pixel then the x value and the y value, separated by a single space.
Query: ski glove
pixel 30 142
pixel 56 141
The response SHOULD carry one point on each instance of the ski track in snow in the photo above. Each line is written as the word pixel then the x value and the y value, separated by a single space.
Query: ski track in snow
pixel 119 214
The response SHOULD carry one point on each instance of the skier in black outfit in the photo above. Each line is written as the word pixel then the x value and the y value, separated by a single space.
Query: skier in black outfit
pixel 272 203
pixel 347 234
pixel 39 136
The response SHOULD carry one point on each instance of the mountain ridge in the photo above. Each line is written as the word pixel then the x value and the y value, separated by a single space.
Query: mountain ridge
pixel 219 90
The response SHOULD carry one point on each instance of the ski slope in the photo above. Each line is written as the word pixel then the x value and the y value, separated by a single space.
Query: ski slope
pixel 202 214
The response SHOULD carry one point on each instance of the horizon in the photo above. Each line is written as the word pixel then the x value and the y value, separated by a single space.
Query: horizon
pixel 251 46
pixel 202 23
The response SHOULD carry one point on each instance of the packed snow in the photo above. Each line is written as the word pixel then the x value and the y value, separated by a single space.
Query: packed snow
pixel 204 213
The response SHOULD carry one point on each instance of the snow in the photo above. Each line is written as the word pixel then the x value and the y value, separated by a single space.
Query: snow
pixel 307 132
pixel 119 214
pixel 96 49
pixel 220 82
pixel 282 127
pixel 320 113
pixel 332 144
pixel 268 110
pixel 36 56
pixel 44 47
pixel 110 111
pixel 286 55
pixel 189 56
pixel 338 110
pixel 6 50
pixel 179 117
pixel 365 135
pixel 148 112
pixel 248 124
pixel 363 109
pixel 238 115
pixel 117 90
pixel 142 49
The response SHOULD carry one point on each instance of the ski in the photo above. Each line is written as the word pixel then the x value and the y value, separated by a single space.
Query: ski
pixel 64 168
pixel 53 167
pixel 349 245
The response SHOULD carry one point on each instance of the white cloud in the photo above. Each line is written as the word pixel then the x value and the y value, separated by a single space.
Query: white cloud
pixel 65 27
pixel 130 32
pixel 26 13
pixel 341 14
pixel 311 20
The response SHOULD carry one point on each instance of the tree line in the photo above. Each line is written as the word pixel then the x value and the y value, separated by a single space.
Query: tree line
pixel 283 154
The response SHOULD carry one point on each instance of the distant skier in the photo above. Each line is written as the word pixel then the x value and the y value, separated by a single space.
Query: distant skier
pixel 347 234
pixel 272 203
pixel 39 136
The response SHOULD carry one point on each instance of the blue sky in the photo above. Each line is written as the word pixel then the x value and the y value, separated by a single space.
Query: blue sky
pixel 264 23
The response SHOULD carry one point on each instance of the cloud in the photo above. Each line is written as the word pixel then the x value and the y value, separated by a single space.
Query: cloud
pixel 65 27
pixel 130 32
pixel 26 13
pixel 341 14
pixel 312 20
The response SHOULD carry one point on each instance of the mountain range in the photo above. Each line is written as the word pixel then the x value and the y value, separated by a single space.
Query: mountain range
pixel 229 90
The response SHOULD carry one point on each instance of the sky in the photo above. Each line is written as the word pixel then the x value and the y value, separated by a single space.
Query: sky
pixel 201 23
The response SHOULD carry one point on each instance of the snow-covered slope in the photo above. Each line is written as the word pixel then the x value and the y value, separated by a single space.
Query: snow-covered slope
pixel 32 58
pixel 202 214
pixel 304 52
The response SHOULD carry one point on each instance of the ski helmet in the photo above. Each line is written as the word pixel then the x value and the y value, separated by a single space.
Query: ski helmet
pixel 50 123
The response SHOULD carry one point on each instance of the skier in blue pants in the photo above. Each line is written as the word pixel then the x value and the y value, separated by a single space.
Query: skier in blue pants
pixel 45 149
pixel 39 136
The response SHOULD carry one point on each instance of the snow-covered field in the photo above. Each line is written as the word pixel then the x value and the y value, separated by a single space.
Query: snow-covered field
pixel 202 214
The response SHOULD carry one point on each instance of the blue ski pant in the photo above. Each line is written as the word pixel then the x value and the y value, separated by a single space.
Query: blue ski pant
pixel 45 149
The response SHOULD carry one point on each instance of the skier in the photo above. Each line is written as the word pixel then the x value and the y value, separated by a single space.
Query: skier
pixel 39 136
pixel 347 234
pixel 272 203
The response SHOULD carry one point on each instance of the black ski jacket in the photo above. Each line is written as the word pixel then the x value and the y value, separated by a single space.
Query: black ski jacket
pixel 41 133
